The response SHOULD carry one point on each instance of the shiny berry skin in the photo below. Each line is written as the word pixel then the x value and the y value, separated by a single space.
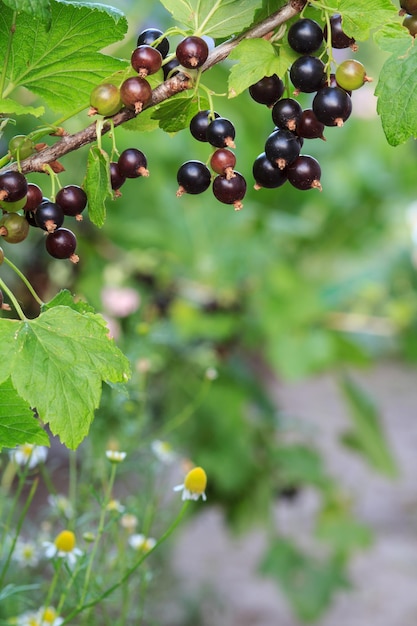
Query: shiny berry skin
pixel 309 126
pixel 49 216
pixel 192 52
pixel 307 73
pixel 72 199
pixel 105 100
pixel 267 90
pixel 135 93
pixel 21 147
pixel 132 163
pixel 33 198
pixel 13 186
pixel 410 22
pixel 14 228
pixel 149 36
pixel 304 173
pixel 266 174
pixel 193 177
pixel 221 133
pixel 409 6
pixel 170 69
pixel 116 178
pixel 339 39
pixel 332 106
pixel 200 123
pixel 230 190
pixel 286 113
pixel 146 60
pixel 61 244
pixel 223 162
pixel 282 147
pixel 305 36
pixel 351 74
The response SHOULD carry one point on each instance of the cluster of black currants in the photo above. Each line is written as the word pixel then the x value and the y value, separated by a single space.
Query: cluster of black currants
pixel 24 206
pixel 194 177
pixel 331 105
pixel 409 10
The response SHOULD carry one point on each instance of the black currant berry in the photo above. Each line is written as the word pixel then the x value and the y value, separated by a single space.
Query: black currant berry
pixel 267 90
pixel 221 133
pixel 116 178
pixel 305 36
pixel 72 199
pixel 223 162
pixel 304 173
pixel 149 36
pixel 135 93
pixel 309 126
pixel 339 39
pixel 230 190
pixel 14 228
pixel 49 216
pixel 33 198
pixel 146 60
pixel 332 106
pixel 61 244
pixel 282 147
pixel 286 113
pixel 193 177
pixel 13 186
pixel 307 73
pixel 170 69
pixel 200 123
pixel 132 163
pixel 105 100
pixel 410 22
pixel 266 174
pixel 409 6
pixel 192 52
pixel 30 218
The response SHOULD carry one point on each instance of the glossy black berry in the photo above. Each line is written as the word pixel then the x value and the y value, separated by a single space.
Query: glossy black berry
pixel 132 163
pixel 146 60
pixel 72 199
pixel 266 174
pixel 61 244
pixel 267 90
pixel 200 123
pixel 332 106
pixel 223 162
pixel 149 36
pixel 307 73
pixel 339 39
pixel 309 127
pixel 192 52
pixel 49 216
pixel 286 113
pixel 305 173
pixel 193 177
pixel 410 22
pixel 13 186
pixel 282 147
pixel 14 228
pixel 221 133
pixel 135 93
pixel 230 190
pixel 34 197
pixel 116 178
pixel 30 218
pixel 305 36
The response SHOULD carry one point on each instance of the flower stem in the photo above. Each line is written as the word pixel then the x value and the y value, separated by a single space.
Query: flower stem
pixel 24 279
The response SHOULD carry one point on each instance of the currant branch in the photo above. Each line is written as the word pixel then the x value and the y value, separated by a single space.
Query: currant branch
pixel 178 83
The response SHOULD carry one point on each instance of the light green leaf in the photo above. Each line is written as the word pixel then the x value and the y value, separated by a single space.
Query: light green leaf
pixel 97 185
pixel 64 298
pixel 17 422
pixel 367 436
pixel 360 17
pixel 337 526
pixel 39 9
pixel 11 107
pixel 176 113
pixel 63 64
pixel 221 18
pixel 144 122
pixel 57 363
pixel 256 58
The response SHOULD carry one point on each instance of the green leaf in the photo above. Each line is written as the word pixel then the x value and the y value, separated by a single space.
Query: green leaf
pixel 39 9
pixel 367 436
pixel 10 107
pixel 97 184
pixel 57 363
pixel 339 529
pixel 144 122
pixel 221 18
pixel 175 114
pixel 64 298
pixel 308 583
pixel 360 17
pixel 17 422
pixel 256 58
pixel 63 64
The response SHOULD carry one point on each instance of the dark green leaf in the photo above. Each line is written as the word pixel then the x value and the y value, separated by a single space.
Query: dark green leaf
pixel 17 422
pixel 97 185
pixel 39 9
pixel 175 114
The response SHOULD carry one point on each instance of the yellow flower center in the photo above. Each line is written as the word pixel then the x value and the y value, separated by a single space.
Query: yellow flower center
pixel 65 541
pixel 27 449
pixel 196 480
pixel 49 615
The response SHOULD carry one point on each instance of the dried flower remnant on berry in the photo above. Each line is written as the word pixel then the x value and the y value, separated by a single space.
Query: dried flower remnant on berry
pixel 194 485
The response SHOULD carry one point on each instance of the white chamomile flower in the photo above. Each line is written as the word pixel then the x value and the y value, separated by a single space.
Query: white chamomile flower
pixel 61 505
pixel 45 616
pixel 128 521
pixel 29 454
pixel 115 506
pixel 194 485
pixel 64 547
pixel 163 451
pixel 114 456
pixel 26 553
pixel 141 543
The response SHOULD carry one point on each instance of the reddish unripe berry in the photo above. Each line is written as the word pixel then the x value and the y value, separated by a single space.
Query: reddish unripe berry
pixel 192 52
pixel 135 93
pixel 223 162
pixel 146 60
pixel 34 197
